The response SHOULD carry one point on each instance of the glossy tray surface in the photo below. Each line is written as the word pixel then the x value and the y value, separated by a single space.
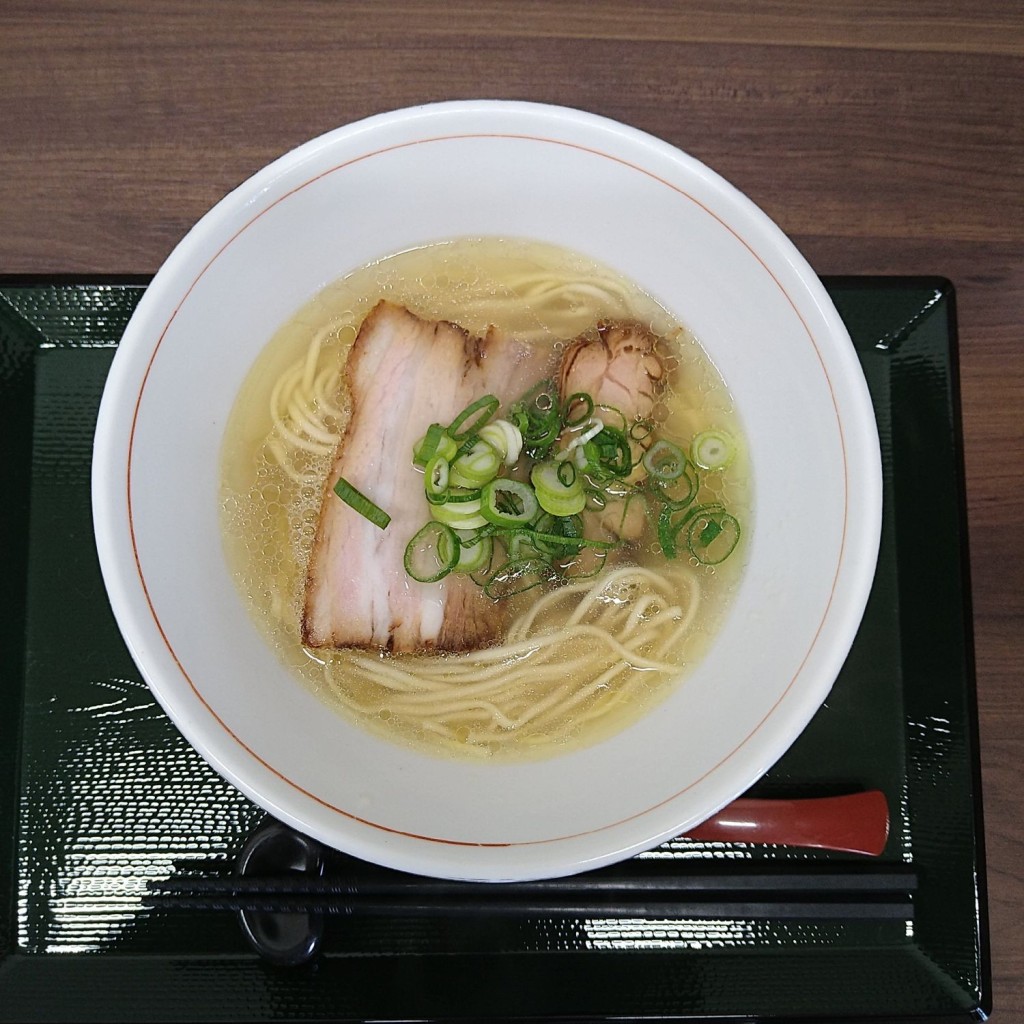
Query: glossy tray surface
pixel 102 798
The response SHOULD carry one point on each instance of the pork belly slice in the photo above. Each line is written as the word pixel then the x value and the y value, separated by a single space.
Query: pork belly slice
pixel 403 373
pixel 618 367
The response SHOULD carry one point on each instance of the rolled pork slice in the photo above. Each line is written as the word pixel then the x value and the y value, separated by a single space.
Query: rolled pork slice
pixel 403 373
pixel 618 367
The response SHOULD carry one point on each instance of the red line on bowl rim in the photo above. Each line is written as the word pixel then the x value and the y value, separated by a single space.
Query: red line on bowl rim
pixel 220 721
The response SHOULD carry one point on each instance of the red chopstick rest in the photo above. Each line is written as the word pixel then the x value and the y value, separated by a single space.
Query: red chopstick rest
pixel 858 823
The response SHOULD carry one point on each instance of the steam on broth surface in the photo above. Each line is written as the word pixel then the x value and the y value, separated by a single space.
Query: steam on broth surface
pixel 578 661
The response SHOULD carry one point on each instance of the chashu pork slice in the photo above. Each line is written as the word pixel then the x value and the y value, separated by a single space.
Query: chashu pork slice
pixel 403 373
pixel 617 366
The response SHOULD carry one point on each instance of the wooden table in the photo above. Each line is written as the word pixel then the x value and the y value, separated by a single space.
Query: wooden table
pixel 881 139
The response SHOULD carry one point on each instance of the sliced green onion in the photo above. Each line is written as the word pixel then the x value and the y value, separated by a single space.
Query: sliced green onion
pixel 713 449
pixel 572 449
pixel 537 416
pixel 518 418
pixel 517 576
pixel 712 536
pixel 579 398
pixel 508 503
pixel 361 503
pixel 566 473
pixel 714 521
pixel 434 442
pixel 540 435
pixel 475 550
pixel 506 438
pixel 672 520
pixel 435 480
pixel 432 554
pixel 459 514
pixel 480 464
pixel 466 446
pixel 611 410
pixel 667 531
pixel 482 409
pixel 539 527
pixel 558 535
pixel 553 494
pixel 678 493
pixel 665 460
pixel 522 544
pixel 584 568
pixel 608 456
pixel 460 494
pixel 641 430
pixel 574 542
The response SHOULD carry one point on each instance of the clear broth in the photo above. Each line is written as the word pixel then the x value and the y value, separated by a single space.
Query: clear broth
pixel 269 519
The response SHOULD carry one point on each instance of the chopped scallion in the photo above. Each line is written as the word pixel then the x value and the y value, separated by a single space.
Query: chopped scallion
pixel 665 460
pixel 571 416
pixel 506 438
pixel 434 442
pixel 553 494
pixel 474 551
pixel 508 503
pixel 476 414
pixel 713 450
pixel 712 536
pixel 459 514
pixel 581 464
pixel 474 468
pixel 433 553
pixel 435 480
pixel 361 503
pixel 517 576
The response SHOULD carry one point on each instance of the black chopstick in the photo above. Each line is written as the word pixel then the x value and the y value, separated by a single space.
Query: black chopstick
pixel 834 882
pixel 656 890
pixel 782 909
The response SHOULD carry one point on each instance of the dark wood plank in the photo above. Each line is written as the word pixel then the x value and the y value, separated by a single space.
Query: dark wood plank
pixel 885 137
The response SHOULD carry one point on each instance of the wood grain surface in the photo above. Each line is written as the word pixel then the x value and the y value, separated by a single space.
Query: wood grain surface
pixel 884 138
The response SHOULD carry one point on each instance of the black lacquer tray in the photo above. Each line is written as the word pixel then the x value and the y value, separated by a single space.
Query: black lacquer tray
pixel 102 800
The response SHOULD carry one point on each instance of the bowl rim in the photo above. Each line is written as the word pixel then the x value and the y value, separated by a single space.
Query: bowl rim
pixel 107 520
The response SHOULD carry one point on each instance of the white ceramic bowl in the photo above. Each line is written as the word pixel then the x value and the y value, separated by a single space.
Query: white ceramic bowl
pixel 508 169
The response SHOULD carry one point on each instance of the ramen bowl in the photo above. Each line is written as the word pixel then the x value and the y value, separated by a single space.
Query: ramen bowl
pixel 496 169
